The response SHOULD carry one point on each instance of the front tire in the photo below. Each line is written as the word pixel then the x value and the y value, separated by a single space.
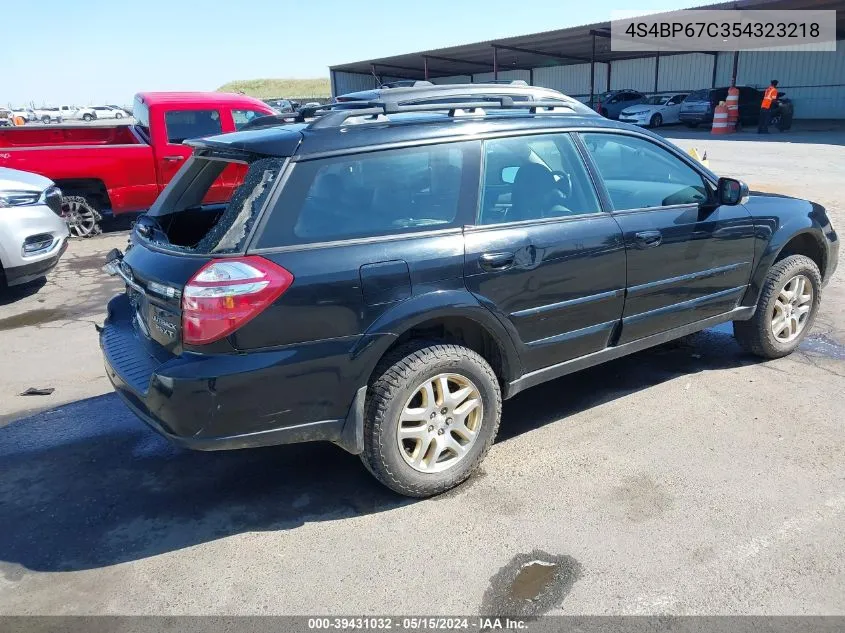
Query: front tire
pixel 656 121
pixel 45 120
pixel 87 118
pixel 787 307
pixel 431 415
pixel 118 116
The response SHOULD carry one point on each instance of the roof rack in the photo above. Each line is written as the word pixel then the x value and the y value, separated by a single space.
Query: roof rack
pixel 336 114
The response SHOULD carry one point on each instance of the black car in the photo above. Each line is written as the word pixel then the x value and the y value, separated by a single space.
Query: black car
pixel 700 105
pixel 384 277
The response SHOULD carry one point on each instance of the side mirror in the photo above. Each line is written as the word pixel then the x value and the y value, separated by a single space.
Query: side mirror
pixel 731 192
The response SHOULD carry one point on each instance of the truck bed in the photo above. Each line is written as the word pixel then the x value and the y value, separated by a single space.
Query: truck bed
pixel 50 136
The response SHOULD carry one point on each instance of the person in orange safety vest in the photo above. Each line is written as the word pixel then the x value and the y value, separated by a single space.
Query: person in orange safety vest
pixel 769 97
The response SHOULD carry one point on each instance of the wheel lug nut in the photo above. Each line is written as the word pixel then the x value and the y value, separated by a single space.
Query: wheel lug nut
pixel 444 410
pixel 430 428
pixel 448 420
pixel 440 431
pixel 432 416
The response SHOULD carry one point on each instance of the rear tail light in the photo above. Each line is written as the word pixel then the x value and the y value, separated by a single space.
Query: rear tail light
pixel 227 293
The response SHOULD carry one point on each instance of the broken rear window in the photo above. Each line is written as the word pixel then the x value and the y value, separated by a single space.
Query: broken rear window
pixel 212 204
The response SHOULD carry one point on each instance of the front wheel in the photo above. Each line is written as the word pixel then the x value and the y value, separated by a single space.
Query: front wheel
pixel 656 120
pixel 787 307
pixel 87 118
pixel 431 415
pixel 118 116
pixel 45 120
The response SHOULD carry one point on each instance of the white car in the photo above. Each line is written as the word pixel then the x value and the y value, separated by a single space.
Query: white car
pixel 27 114
pixel 108 112
pixel 655 111
pixel 33 234
pixel 64 113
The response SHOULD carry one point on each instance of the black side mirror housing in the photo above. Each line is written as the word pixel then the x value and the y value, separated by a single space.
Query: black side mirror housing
pixel 731 191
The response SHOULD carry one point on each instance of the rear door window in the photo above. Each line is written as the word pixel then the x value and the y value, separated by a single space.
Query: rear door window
pixel 380 193
pixel 186 124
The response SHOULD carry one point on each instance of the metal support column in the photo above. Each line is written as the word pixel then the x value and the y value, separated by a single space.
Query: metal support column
pixel 530 76
pixel 736 66
pixel 425 67
pixel 715 69
pixel 609 66
pixel 495 63
pixel 656 70
pixel 593 73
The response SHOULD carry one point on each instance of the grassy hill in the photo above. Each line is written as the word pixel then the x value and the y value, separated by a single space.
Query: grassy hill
pixel 279 88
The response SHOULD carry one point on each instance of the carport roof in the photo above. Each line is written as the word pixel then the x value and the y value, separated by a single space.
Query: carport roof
pixel 549 48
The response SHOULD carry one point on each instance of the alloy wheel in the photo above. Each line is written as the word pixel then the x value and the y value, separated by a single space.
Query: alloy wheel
pixel 440 423
pixel 792 309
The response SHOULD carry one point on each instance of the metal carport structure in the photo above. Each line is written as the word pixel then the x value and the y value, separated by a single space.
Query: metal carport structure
pixel 585 48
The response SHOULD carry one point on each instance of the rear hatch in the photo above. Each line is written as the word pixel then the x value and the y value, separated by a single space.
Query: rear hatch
pixel 698 101
pixel 181 237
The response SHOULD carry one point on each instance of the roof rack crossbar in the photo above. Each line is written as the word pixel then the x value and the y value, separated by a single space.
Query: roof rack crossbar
pixel 328 117
pixel 335 114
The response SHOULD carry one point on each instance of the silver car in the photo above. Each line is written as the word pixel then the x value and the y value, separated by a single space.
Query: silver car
pixel 33 235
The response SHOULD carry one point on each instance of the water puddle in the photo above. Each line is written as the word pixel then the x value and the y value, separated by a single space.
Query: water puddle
pixel 530 585
pixel 823 345
pixel 33 317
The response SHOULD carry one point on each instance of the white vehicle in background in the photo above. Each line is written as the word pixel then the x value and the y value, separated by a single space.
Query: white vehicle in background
pixel 108 112
pixel 27 114
pixel 655 111
pixel 33 233
pixel 65 113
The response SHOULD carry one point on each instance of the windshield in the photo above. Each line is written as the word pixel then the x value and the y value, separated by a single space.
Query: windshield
pixel 657 100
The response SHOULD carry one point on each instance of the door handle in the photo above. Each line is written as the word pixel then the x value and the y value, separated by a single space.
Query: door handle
pixel 496 261
pixel 174 159
pixel 648 239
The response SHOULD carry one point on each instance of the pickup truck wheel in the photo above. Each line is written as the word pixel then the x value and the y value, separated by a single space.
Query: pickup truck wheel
pixel 82 218
pixel 45 120
pixel 431 415
pixel 786 309
pixel 87 118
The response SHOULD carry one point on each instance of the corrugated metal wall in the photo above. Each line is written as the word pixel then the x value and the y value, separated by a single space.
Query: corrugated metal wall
pixel 525 75
pixel 572 80
pixel 684 72
pixel 351 82
pixel 454 79
pixel 637 74
pixel 815 81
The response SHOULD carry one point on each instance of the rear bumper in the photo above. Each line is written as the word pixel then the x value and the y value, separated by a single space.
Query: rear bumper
pixel 226 401
pixel 696 117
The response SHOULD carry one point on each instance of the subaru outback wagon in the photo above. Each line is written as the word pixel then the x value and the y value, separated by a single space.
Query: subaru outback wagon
pixel 383 278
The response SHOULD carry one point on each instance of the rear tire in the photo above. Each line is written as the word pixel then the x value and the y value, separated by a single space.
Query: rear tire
pixel 45 120
pixel 780 301
pixel 87 118
pixel 423 463
pixel 118 115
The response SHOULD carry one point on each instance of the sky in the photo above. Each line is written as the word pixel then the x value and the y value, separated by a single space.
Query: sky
pixel 91 52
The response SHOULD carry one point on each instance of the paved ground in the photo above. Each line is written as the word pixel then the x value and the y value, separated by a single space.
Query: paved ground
pixel 685 479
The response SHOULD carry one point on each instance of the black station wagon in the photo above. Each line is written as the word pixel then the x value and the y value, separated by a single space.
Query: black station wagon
pixel 383 276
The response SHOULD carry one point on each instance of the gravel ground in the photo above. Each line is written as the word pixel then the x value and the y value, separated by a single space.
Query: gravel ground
pixel 687 479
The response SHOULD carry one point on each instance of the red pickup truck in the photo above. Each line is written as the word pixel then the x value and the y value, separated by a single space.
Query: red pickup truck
pixel 122 168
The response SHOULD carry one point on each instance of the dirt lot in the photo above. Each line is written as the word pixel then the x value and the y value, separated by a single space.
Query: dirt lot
pixel 688 479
